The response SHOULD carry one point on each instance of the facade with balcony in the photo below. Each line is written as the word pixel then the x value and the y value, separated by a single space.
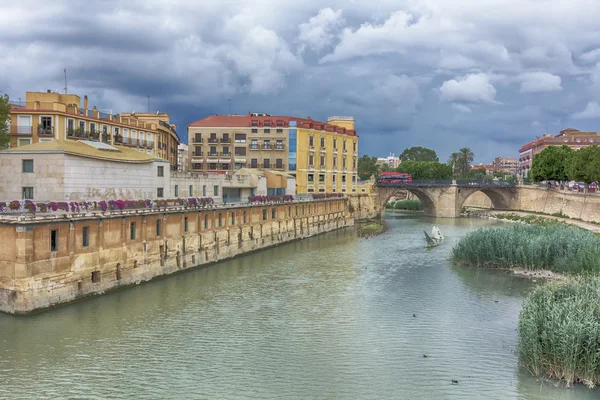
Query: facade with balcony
pixel 46 116
pixel 298 146
pixel 569 137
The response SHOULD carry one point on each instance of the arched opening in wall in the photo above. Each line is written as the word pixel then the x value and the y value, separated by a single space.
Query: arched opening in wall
pixel 428 204
pixel 178 259
pixel 118 271
pixel 498 199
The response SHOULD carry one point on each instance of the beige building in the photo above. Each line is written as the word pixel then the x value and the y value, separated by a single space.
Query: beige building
pixel 508 165
pixel 47 115
pixel 321 156
pixel 391 161
pixel 182 157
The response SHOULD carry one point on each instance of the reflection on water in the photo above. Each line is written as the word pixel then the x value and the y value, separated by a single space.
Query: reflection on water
pixel 327 317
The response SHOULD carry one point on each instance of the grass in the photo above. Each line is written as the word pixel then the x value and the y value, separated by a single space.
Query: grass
pixel 559 335
pixel 372 228
pixel 528 219
pixel 556 247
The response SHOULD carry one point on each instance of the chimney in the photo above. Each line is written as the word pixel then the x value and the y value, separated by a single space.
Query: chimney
pixel 48 91
pixel 85 104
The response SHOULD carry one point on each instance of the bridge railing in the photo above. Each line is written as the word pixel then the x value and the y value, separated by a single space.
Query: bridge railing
pixel 446 183
pixel 486 184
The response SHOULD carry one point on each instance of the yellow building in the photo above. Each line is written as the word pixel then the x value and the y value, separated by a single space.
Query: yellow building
pixel 323 156
pixel 48 115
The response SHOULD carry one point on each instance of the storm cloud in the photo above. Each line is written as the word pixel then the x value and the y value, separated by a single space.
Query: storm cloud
pixel 443 74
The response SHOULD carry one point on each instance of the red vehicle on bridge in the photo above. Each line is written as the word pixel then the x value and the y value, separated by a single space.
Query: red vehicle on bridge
pixel 394 178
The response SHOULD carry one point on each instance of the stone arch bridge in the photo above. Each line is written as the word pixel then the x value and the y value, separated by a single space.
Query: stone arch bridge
pixel 446 198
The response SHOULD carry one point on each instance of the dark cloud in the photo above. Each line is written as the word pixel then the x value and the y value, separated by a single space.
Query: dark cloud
pixel 442 74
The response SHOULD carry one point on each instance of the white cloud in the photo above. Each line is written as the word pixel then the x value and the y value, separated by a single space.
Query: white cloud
pixel 461 107
pixel 592 110
pixel 319 32
pixel 474 88
pixel 591 56
pixel 539 82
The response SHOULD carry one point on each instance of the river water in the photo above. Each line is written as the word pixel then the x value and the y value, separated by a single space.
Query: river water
pixel 330 317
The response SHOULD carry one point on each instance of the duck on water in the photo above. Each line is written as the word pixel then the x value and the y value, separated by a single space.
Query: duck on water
pixel 436 237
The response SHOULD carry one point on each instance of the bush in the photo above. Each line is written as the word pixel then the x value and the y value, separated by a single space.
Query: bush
pixel 408 205
pixel 557 247
pixel 559 334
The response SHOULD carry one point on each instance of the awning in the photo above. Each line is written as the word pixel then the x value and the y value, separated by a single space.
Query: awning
pixel 224 160
pixel 240 160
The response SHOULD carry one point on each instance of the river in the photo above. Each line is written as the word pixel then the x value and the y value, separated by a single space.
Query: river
pixel 330 317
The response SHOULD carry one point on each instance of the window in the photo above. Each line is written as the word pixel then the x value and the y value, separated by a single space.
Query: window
pixel 267 144
pixel 279 163
pixel 185 224
pixel 46 123
pixel 240 138
pixel 82 126
pixel 160 171
pixel 321 177
pixel 206 222
pixel 158 226
pixel 27 193
pixel 311 178
pixel 244 216
pixel 254 144
pixel 267 130
pixel 220 220
pixel 311 160
pixel 54 240
pixel 279 130
pixel 322 161
pixel 70 126
pixel 273 213
pixel 334 144
pixel 334 178
pixel 279 145
pixel 176 190
pixel 353 178
pixel 160 192
pixel 213 151
pixel 132 231
pixel 191 190
pixel 344 179
pixel 354 146
pixel 254 130
pixel 216 190
pixel 322 142
pixel 225 138
pixel 264 214
pixel 226 151
pixel 232 218
pixel 344 145
pixel 96 276
pixel 203 190
pixel 266 163
pixel 253 163
pixel 311 141
pixel 240 151
pixel 334 162
pixel 92 127
pixel 86 236
pixel 27 166
pixel 198 138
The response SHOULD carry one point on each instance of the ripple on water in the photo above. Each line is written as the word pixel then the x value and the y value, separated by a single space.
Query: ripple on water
pixel 327 317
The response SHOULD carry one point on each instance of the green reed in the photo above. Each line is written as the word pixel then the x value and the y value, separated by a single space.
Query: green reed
pixel 408 205
pixel 559 331
pixel 555 247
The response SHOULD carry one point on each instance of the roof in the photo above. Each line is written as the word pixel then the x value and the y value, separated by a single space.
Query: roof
pixel 249 171
pixel 246 121
pixel 78 148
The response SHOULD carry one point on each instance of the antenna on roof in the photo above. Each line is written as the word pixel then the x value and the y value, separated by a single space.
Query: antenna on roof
pixel 65 70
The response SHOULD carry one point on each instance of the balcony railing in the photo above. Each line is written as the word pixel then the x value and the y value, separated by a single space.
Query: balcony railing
pixel 323 150
pixel 254 147
pixel 311 147
pixel 48 131
pixel 280 166
pixel 279 147
pixel 197 154
pixel 335 150
pixel 225 140
pixel 267 147
pixel 21 130
pixel 212 154
pixel 213 140
pixel 79 134
pixel 197 140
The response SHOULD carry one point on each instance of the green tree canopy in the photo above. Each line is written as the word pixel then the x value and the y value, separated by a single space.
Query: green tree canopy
pixel 426 170
pixel 419 154
pixel 465 159
pixel 584 164
pixel 367 167
pixel 551 164
pixel 4 120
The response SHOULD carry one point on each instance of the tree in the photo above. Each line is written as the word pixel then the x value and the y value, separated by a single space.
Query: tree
pixel 4 120
pixel 583 165
pixel 367 167
pixel 453 161
pixel 464 160
pixel 419 154
pixel 551 164
pixel 426 170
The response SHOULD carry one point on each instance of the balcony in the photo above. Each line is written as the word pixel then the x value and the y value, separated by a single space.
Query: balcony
pixel 213 140
pixel 345 152
pixel 254 147
pixel 226 154
pixel 197 140
pixel 323 168
pixel 335 151
pixel 223 140
pixel 279 166
pixel 127 141
pixel 212 154
pixel 267 147
pixel 21 130
pixel 47 131
pixel 323 150
pixel 311 147
pixel 311 167
pixel 197 154
pixel 79 134
pixel 279 147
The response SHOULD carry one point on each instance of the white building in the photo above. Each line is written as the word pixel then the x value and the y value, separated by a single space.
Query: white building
pixel 79 170
pixel 391 161
pixel 182 157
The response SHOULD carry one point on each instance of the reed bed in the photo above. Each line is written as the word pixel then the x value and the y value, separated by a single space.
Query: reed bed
pixel 555 247
pixel 559 331
pixel 413 205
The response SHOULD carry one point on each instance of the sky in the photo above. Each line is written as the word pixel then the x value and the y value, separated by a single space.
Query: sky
pixel 490 75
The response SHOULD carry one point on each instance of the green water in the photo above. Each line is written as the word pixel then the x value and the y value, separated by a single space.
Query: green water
pixel 329 317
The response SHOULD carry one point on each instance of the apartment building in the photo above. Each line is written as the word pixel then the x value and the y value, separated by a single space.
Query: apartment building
pixel 570 137
pixel 182 157
pixel 321 156
pixel 46 116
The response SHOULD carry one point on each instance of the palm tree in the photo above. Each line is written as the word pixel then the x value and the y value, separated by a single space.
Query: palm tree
pixel 453 162
pixel 465 159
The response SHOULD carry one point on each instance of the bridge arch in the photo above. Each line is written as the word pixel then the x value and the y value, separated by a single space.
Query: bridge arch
pixel 429 204
pixel 501 199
